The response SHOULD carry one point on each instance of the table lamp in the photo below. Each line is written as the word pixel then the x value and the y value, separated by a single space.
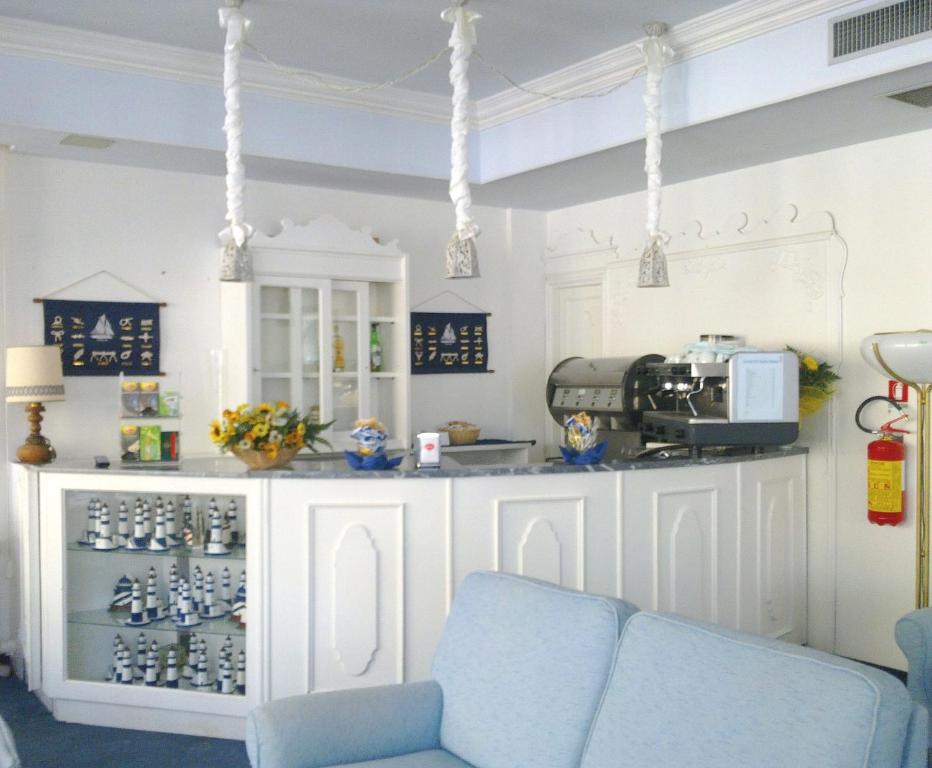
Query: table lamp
pixel 906 356
pixel 34 376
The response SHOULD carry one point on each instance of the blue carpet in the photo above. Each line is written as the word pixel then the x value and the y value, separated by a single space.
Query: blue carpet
pixel 43 742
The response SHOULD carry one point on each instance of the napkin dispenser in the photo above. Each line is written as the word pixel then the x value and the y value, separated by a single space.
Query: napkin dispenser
pixel 428 450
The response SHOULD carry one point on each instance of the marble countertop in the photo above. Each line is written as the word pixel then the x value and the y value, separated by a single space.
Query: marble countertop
pixel 307 466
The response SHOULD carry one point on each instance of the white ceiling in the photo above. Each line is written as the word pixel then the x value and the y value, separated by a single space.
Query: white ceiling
pixel 374 40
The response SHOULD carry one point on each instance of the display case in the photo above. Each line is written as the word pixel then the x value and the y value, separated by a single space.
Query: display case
pixel 324 327
pixel 144 591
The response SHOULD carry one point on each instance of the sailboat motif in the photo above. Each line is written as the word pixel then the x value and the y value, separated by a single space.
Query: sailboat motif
pixel 103 331
pixel 449 335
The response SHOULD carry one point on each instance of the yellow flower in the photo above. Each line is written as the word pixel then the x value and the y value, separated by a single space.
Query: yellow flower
pixel 271 449
pixel 301 429
pixel 264 408
pixel 242 408
pixel 282 405
pixel 261 429
pixel 811 363
pixel 293 439
pixel 216 432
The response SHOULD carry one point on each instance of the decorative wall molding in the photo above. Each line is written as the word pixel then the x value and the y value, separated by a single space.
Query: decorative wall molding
pixel 355 609
pixel 726 26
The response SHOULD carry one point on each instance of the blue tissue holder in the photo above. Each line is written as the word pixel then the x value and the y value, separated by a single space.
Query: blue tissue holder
pixel 591 456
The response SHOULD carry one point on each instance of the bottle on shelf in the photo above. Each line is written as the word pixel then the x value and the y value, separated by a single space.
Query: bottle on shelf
pixel 339 356
pixel 375 350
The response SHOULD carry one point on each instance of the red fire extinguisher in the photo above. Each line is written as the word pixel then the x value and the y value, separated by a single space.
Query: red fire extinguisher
pixel 886 468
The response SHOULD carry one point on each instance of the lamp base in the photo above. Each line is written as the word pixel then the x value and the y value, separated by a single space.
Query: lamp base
pixel 36 449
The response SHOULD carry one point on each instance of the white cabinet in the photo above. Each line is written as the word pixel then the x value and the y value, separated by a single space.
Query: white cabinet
pixel 302 330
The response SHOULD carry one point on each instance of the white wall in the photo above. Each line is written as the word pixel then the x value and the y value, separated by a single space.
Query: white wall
pixel 158 230
pixel 879 194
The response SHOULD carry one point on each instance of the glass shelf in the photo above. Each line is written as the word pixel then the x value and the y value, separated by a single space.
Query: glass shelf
pixel 237 552
pixel 114 620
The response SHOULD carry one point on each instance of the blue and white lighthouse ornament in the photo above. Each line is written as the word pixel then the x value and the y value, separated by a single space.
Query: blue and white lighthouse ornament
pixel 158 542
pixel 187 671
pixel 171 668
pixel 215 545
pixel 90 534
pixel 122 524
pixel 238 611
pixel 201 676
pixel 152 665
pixel 116 660
pixel 171 530
pixel 138 540
pixel 210 608
pixel 147 517
pixel 126 667
pixel 197 591
pixel 155 611
pixel 225 589
pixel 104 538
pixel 232 522
pixel 137 613
pixel 140 672
pixel 241 673
pixel 226 678
pixel 173 591
pixel 122 594
pixel 187 615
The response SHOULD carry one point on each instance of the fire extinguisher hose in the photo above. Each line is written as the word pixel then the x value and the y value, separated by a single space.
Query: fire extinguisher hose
pixel 874 399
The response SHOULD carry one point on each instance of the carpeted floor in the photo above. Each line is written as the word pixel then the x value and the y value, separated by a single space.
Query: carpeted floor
pixel 43 742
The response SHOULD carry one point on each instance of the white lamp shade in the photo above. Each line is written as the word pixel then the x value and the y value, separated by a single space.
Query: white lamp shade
pixel 908 354
pixel 34 375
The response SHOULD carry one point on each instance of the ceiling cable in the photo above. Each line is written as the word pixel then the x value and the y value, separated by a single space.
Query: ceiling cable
pixel 369 87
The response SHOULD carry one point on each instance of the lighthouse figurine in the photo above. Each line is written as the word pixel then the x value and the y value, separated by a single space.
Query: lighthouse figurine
pixel 122 594
pixel 238 611
pixel 187 615
pixel 201 678
pixel 197 591
pixel 104 538
pixel 187 671
pixel 116 662
pixel 122 525
pixel 173 591
pixel 126 667
pixel 210 609
pixel 152 665
pixel 225 589
pixel 137 616
pixel 158 542
pixel 226 684
pixel 90 535
pixel 171 669
pixel 171 530
pixel 138 540
pixel 147 517
pixel 154 608
pixel 241 673
pixel 140 672
pixel 232 522
pixel 215 545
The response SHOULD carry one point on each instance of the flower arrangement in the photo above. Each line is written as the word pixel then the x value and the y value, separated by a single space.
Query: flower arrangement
pixel 267 435
pixel 816 382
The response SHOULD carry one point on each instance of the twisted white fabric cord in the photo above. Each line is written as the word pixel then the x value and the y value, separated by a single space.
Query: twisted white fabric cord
pixel 236 26
pixel 462 40
pixel 655 51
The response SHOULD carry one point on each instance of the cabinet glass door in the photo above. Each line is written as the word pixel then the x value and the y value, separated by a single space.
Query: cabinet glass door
pixel 155 592
pixel 292 352
pixel 350 351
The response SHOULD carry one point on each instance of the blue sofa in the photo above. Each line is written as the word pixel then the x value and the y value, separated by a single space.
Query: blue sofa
pixel 914 636
pixel 528 675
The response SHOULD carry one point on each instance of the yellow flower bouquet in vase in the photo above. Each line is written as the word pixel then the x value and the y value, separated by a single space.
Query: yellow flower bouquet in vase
pixel 267 436
pixel 816 383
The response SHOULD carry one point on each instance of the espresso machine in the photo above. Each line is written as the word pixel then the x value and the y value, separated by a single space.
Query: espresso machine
pixel 750 399
pixel 615 390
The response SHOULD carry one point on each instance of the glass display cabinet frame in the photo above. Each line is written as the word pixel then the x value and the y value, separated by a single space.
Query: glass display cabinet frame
pixel 312 283
pixel 77 650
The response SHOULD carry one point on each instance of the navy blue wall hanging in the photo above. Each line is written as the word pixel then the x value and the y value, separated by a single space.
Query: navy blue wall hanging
pixel 104 338
pixel 449 342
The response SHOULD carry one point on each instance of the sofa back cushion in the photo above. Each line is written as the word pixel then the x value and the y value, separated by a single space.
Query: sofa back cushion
pixel 686 693
pixel 522 665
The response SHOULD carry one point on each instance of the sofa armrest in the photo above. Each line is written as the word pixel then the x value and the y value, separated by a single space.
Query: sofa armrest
pixel 914 636
pixel 916 754
pixel 325 729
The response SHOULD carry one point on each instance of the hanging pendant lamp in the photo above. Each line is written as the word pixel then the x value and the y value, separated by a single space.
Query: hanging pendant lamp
pixel 461 257
pixel 652 271
pixel 235 264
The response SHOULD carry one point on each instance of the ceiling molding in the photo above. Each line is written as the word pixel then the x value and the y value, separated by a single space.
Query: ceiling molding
pixel 19 37
pixel 729 25
pixel 732 24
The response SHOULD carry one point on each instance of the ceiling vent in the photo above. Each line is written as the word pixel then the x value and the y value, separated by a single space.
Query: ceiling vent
pixel 883 26
pixel 918 97
pixel 88 142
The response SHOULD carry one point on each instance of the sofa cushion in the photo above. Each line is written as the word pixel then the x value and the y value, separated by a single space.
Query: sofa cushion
pixel 686 693
pixel 432 758
pixel 522 665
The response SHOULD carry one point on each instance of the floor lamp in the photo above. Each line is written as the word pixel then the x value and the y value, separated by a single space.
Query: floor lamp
pixel 907 357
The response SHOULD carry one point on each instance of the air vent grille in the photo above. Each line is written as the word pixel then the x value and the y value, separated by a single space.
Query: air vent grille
pixel 881 27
